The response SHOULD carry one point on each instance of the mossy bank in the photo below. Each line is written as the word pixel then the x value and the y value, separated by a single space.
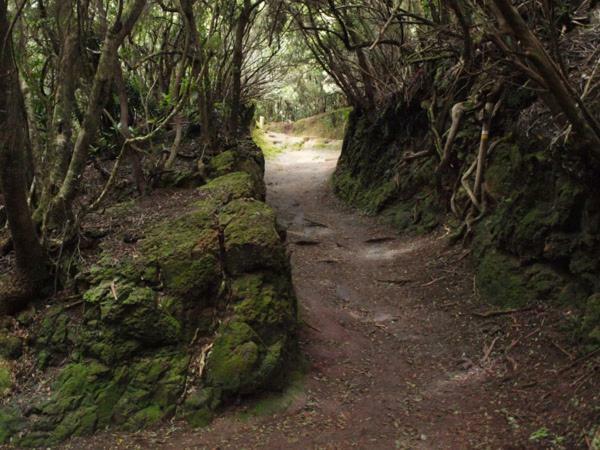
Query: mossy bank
pixel 200 313
pixel 538 238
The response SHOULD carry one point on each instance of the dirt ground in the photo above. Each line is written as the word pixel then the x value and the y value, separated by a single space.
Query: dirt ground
pixel 400 352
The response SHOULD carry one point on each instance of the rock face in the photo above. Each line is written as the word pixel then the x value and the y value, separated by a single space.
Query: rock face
pixel 540 238
pixel 202 312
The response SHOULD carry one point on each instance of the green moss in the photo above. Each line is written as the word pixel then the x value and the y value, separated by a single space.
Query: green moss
pixel 79 379
pixel 133 315
pixel 55 336
pixel 501 281
pixel 80 422
pixel 269 308
pixel 277 402
pixel 251 238
pixel 368 198
pixel 269 149
pixel 186 251
pixel 234 186
pixel 246 157
pixel 6 382
pixel 10 425
pixel 544 282
pixel 181 179
pixel 223 163
pixel 11 347
pixel 147 416
pixel 199 407
pixel 234 358
pixel 590 325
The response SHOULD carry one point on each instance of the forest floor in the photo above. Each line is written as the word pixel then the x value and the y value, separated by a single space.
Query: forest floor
pixel 400 352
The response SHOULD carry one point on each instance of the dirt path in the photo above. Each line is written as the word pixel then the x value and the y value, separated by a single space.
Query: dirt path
pixel 396 358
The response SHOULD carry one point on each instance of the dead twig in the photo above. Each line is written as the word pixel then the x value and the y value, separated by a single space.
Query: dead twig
pixel 433 281
pixel 306 242
pixel 580 360
pixel 399 281
pixel 502 312
pixel 488 350
pixel 568 354
pixel 379 240
pixel 311 326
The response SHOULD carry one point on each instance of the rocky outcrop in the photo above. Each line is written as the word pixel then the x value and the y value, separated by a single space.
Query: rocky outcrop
pixel 202 312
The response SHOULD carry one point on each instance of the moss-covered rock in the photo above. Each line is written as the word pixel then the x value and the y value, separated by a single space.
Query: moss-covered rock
pixel 239 362
pixel 55 336
pixel 234 186
pixel 501 280
pixel 266 303
pixel 185 253
pixel 251 239
pixel 121 318
pixel 129 354
pixel 246 157
pixel 200 406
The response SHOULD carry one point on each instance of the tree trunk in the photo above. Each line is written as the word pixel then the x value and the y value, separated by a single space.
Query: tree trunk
pixel 60 208
pixel 32 271
pixel 134 158
pixel 237 63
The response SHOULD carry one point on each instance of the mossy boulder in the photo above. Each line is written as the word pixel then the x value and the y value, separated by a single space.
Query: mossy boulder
pixel 245 157
pixel 200 406
pixel 185 253
pixel 88 396
pixel 240 362
pixel 251 239
pixel 218 273
pixel 234 186
pixel 223 163
pixel 55 336
pixel 183 178
pixel 122 318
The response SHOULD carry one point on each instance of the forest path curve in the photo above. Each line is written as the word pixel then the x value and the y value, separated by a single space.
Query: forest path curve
pixel 396 358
